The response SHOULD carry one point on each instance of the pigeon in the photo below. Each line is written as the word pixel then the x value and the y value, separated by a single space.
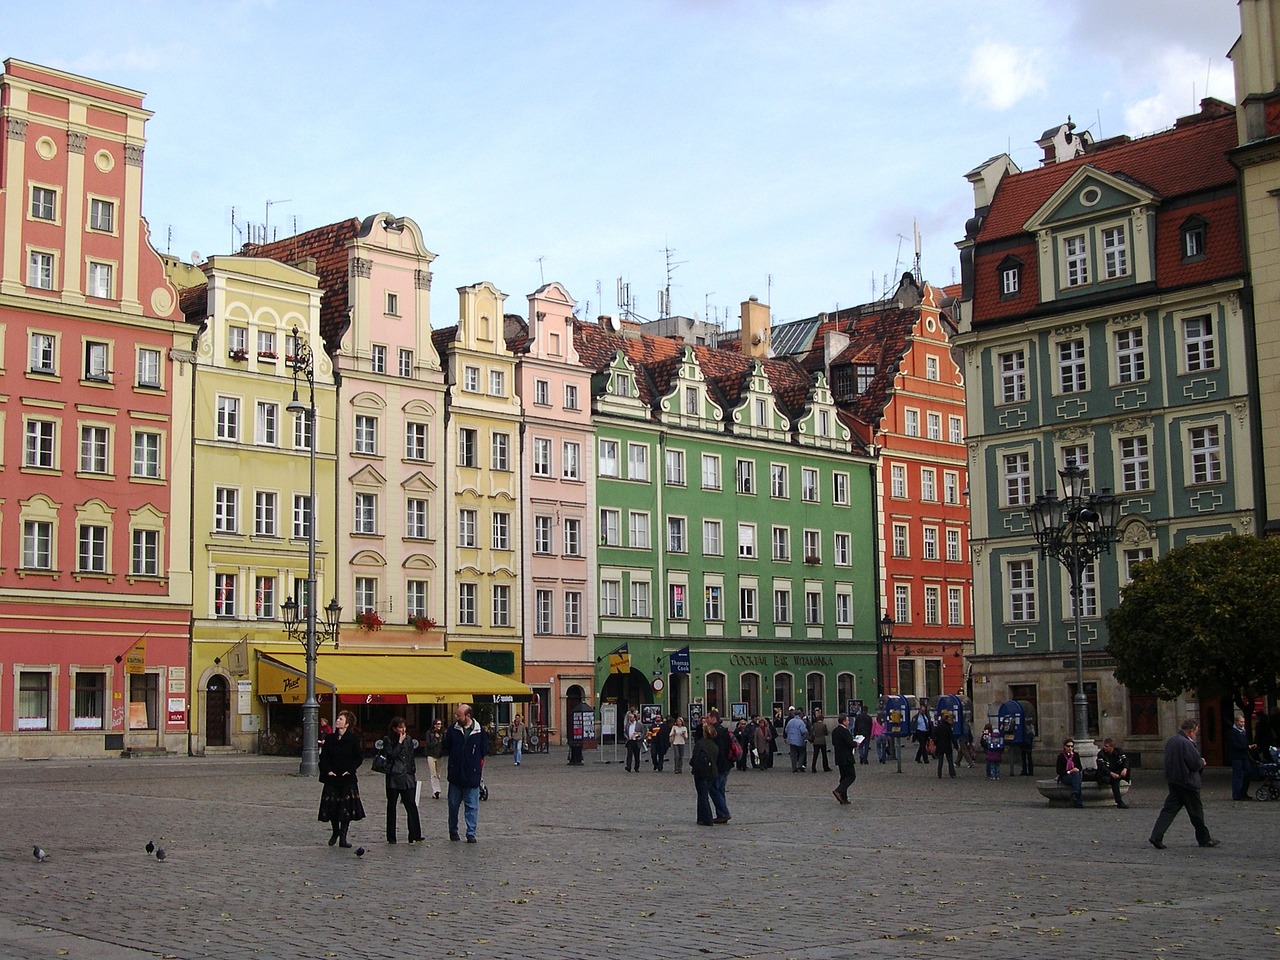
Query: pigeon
pixel 160 854
pixel 39 854
pixel 359 851
pixel 151 846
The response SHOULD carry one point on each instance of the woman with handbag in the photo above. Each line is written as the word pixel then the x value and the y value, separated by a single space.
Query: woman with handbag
pixel 340 757
pixel 396 753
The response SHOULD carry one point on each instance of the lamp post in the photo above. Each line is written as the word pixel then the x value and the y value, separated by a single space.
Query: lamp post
pixel 1075 530
pixel 884 634
pixel 308 631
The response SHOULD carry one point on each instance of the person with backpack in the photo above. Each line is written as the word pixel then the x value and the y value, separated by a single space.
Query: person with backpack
pixel 704 765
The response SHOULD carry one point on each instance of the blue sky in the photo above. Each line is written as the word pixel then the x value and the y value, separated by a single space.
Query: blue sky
pixel 781 148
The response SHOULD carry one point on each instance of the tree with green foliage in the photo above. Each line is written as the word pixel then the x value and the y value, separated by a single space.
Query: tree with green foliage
pixel 1205 617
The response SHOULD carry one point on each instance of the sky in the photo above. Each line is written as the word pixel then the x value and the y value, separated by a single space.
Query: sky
pixel 782 149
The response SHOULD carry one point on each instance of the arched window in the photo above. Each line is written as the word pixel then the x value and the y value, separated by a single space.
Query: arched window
pixel 846 690
pixel 784 690
pixel 815 688
pixel 751 693
pixel 717 687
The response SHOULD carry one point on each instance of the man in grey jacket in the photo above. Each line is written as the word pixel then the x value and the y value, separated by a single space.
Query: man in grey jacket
pixel 1182 766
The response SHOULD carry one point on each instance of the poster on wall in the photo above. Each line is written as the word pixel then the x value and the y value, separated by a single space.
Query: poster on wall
pixel 738 711
pixel 650 713
pixel 177 711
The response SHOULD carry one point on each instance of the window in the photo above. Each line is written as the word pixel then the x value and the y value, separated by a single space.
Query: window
pixel 950 487
pixel 955 606
pixel 812 546
pixel 44 203
pixel 471 379
pixel 1131 356
pixel 610 598
pixel 40 444
pixel 144 553
pixel 415 518
pixel 1135 464
pixel 571 396
pixel 1133 557
pixel 813 607
pixel 99 280
pixel 226 509
pixel 1017 479
pixel 94 448
pixel 901 540
pixel 911 423
pixel 466 528
pixel 542 534
pixel 746 474
pixel 34 695
pixel 955 429
pixel 148 367
pixel 1013 377
pixel 638 529
pixel 366 594
pixel 932 369
pixel 932 605
pixel 572 613
pixel 393 304
pixel 96 363
pixel 901 603
pixel 404 363
pixel 712 539
pixel 572 537
pixel 571 460
pixel 102 215
pixel 497 383
pixel 91 554
pixel 366 434
pixel 1088 593
pixel 1193 234
pixel 228 419
pixel 840 489
pixel 691 401
pixel 415 598
pixel 809 484
pixel 37 545
pixel 778 481
pixel 782 605
pixel 224 594
pixel 1079 452
pixel 928 484
pixel 267 424
pixel 1076 257
pixel 677 608
pixel 302 429
pixel 467 604
pixel 301 516
pixel 415 441
pixel 265 514
pixel 640 598
pixel 1071 366
pixel 264 598
pixel 608 458
pixel 1198 344
pixel 747 541
pixel 267 344
pixel 468 452
pixel 1115 253
pixel 747 605
pixel 676 542
pixel 1206 454
pixel 40 270
pixel 864 373
pixel 933 423
pixel 675 467
pixel 637 461
pixel 378 358
pixel 824 423
pixel 843 551
pixel 89 712
pixel 542 612
pixel 611 528
pixel 782 543
pixel 953 545
pixel 542 393
pixel 541 457
pixel 499 451
pixel 238 341
pixel 710 471
pixel 366 513
pixel 929 540
pixel 1021 591
pixel 844 610
pixel 758 412
pixel 501 605
pixel 898 481
pixel 713 602
pixel 1010 280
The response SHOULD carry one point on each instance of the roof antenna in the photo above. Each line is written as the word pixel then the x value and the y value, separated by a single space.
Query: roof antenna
pixel 542 280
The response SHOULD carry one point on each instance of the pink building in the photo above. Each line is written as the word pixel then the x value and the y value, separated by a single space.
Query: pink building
pixel 94 592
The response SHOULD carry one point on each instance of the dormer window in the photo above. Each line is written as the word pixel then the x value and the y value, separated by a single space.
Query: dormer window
pixel 1115 253
pixel 1193 237
pixel 1075 254
pixel 1010 278
pixel 866 372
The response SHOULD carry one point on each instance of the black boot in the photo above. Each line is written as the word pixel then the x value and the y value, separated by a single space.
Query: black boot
pixel 337 830
pixel 342 838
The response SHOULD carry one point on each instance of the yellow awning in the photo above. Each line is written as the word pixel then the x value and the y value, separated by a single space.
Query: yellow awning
pixel 277 682
pixel 395 678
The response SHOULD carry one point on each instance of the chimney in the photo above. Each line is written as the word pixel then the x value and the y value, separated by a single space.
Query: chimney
pixel 755 328
pixel 1062 143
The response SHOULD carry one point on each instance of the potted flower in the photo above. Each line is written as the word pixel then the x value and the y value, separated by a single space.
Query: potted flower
pixel 238 354
pixel 369 620
pixel 423 624
pixel 266 354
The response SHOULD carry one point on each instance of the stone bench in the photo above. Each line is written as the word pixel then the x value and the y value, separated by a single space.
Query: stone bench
pixel 1059 794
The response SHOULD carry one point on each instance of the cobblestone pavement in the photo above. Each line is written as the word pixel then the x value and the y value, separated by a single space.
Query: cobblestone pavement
pixel 595 862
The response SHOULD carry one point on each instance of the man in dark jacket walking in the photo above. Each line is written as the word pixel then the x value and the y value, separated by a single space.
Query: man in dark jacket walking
pixel 466 745
pixel 1238 753
pixel 842 745
pixel 1182 766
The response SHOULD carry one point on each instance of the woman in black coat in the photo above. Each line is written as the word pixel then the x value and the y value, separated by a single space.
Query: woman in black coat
pixel 402 779
pixel 340 757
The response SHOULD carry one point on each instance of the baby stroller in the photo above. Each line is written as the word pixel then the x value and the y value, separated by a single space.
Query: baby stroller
pixel 1268 772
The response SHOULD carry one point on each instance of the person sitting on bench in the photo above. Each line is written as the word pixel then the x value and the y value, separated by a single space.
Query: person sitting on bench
pixel 1113 770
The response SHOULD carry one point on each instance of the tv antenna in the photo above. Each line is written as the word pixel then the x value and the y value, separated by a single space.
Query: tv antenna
pixel 542 280
pixel 664 295
pixel 266 223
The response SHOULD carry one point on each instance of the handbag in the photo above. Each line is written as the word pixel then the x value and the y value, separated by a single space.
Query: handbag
pixel 379 764
pixel 930 747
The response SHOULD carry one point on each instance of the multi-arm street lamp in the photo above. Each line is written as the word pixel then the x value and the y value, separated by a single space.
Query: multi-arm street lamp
pixel 1075 530
pixel 308 631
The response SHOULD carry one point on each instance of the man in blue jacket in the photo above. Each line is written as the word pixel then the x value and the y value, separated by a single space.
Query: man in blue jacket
pixel 1182 766
pixel 466 745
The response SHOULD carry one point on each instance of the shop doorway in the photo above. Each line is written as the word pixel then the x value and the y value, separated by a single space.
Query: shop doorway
pixel 217 712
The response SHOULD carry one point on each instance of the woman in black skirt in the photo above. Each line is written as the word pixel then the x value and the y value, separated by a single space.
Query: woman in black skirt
pixel 340 757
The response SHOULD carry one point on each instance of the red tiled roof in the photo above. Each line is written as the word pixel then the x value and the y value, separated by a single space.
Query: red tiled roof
pixel 194 303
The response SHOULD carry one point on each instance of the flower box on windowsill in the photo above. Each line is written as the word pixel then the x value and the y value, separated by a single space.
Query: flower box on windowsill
pixel 238 354
pixel 266 355
pixel 369 620
pixel 423 624
pixel 812 560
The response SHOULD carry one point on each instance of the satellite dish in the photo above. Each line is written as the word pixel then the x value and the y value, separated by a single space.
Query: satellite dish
pixel 614 324
pixel 196 257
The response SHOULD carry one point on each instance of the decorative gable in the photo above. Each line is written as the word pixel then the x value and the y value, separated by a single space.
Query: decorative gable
pixel 616 391
pixel 757 415
pixel 820 426
pixel 687 401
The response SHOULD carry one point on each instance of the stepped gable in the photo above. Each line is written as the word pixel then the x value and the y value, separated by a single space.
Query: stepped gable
pixel 329 246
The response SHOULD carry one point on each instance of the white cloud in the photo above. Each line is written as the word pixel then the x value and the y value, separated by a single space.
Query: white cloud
pixel 1001 74
pixel 1179 78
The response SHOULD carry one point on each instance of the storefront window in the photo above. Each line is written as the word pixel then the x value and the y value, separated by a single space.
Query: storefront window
pixel 90 705
pixel 33 699
pixel 143 701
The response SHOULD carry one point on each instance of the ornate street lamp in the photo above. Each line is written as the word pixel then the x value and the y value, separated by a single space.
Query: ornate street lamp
pixel 307 631
pixel 1075 530
pixel 884 634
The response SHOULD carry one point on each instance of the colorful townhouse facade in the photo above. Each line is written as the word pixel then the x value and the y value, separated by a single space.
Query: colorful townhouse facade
pixel 95 581
pixel 1102 323
pixel 735 557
